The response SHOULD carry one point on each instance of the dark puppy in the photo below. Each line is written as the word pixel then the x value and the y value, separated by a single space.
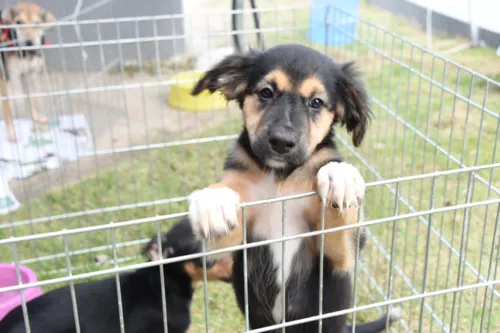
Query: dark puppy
pixel 291 97
pixel 141 295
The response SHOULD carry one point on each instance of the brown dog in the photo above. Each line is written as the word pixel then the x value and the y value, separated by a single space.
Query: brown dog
pixel 19 65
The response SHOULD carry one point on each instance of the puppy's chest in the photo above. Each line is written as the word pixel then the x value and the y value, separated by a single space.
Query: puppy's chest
pixel 28 65
pixel 274 220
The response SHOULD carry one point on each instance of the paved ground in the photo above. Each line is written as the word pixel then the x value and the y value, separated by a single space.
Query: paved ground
pixel 127 117
pixel 118 119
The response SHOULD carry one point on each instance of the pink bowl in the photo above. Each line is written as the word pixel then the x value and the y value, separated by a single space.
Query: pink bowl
pixel 8 277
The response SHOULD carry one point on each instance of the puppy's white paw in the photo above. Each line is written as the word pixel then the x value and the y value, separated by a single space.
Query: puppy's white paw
pixel 213 212
pixel 340 185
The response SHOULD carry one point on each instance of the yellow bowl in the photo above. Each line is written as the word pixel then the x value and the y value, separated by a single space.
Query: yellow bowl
pixel 180 95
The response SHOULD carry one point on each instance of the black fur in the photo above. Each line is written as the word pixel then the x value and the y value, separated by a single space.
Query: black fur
pixel 140 291
pixel 302 293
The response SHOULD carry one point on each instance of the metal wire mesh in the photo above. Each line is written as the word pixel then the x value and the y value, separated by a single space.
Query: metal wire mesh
pixel 430 161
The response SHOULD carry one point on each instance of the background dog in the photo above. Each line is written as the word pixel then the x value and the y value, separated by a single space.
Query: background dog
pixel 18 66
pixel 141 294
pixel 291 96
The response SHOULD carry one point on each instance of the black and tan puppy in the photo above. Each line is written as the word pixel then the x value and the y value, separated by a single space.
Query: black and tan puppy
pixel 141 295
pixel 291 97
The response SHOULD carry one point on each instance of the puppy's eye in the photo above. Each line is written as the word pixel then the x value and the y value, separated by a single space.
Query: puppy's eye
pixel 316 103
pixel 266 93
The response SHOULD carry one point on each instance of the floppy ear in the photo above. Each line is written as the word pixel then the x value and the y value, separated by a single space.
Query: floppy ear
pixel 356 114
pixel 229 76
pixel 151 250
pixel 47 17
pixel 8 15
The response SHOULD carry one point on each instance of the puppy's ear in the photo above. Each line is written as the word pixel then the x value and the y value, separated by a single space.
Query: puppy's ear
pixel 151 250
pixel 47 17
pixel 8 15
pixel 356 114
pixel 229 76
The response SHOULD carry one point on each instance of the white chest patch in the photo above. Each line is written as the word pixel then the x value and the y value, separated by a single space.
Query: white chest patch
pixel 19 68
pixel 268 225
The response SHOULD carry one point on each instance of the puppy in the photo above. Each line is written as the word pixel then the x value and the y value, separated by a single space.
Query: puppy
pixel 19 65
pixel 97 301
pixel 291 96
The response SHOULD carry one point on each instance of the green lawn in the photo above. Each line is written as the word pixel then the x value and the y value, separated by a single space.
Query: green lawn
pixel 392 148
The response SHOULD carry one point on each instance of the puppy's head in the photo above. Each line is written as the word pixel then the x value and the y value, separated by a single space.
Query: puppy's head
pixel 180 241
pixel 27 13
pixel 291 96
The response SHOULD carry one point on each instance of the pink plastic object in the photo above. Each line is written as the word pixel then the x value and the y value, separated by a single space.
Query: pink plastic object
pixel 12 299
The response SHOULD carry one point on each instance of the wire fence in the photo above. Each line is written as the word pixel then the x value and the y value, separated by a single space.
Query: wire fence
pixel 430 161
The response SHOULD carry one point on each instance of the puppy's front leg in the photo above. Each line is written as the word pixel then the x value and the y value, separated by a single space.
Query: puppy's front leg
pixel 29 86
pixel 215 212
pixel 11 133
pixel 34 113
pixel 341 188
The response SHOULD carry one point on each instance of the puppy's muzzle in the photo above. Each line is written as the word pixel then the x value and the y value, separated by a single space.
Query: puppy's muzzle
pixel 282 141
pixel 31 52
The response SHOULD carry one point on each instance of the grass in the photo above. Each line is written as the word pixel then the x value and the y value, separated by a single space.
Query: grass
pixel 394 147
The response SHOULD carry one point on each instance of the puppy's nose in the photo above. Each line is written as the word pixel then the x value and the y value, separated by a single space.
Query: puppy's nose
pixel 29 43
pixel 282 142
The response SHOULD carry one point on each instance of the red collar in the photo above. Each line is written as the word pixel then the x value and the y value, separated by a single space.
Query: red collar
pixel 5 38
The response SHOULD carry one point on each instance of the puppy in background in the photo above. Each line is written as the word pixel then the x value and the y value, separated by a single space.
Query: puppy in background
pixel 141 295
pixel 179 241
pixel 18 66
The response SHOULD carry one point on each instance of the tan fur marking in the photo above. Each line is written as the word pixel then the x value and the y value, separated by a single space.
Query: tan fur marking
pixel 240 182
pixel 339 246
pixel 240 88
pixel 251 114
pixel 340 110
pixel 222 270
pixel 319 128
pixel 228 89
pixel 303 179
pixel 11 134
pixel 311 86
pixel 236 63
pixel 310 168
pixel 282 80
